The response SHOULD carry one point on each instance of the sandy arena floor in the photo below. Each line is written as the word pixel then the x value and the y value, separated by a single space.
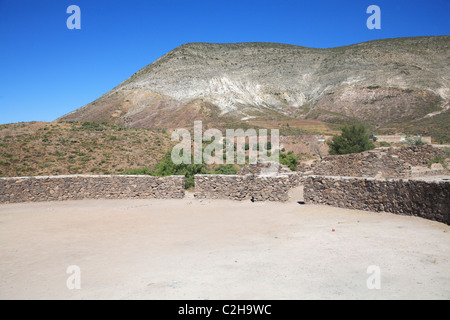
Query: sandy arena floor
pixel 192 249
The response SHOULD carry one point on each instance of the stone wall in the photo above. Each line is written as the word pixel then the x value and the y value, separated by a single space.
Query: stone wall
pixel 429 198
pixel 416 155
pixel 79 187
pixel 381 163
pixel 244 187
pixel 265 168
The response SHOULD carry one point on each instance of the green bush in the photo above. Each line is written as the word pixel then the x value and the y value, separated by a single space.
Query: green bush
pixel 446 152
pixel 4 162
pixel 225 169
pixel 438 159
pixel 92 126
pixel 414 141
pixel 262 147
pixel 289 159
pixel 166 167
pixel 354 139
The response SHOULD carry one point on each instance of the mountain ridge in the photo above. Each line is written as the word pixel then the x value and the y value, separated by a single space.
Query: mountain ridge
pixel 383 83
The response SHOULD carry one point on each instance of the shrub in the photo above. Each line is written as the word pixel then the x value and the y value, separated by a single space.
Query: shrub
pixel 354 139
pixel 92 126
pixel 166 167
pixel 446 152
pixel 45 165
pixel 262 147
pixel 414 141
pixel 438 159
pixel 289 159
pixel 225 169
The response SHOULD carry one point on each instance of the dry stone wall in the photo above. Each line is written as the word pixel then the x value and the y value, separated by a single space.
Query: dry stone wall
pixel 265 168
pixel 249 186
pixel 428 199
pixel 77 187
pixel 417 155
pixel 384 163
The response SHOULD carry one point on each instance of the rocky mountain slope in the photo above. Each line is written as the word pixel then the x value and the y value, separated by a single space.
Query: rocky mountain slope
pixel 387 84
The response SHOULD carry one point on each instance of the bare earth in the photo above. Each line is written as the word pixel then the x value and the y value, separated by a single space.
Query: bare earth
pixel 214 249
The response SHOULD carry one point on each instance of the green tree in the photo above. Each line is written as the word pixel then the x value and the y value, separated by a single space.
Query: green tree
pixel 354 139
pixel 166 167
pixel 289 159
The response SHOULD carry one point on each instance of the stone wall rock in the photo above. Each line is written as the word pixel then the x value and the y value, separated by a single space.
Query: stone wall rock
pixel 425 198
pixel 234 187
pixel 265 168
pixel 52 188
pixel 380 163
pixel 246 187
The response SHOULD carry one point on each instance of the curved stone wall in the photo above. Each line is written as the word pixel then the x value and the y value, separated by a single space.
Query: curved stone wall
pixel 426 198
pixel 249 186
pixel 77 187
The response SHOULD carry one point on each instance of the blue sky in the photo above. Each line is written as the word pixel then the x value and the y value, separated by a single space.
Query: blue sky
pixel 47 70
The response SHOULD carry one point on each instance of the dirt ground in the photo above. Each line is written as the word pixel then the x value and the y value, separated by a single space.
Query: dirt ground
pixel 217 249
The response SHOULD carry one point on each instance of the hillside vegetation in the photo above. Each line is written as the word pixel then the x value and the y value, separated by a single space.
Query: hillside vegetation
pixel 63 148
pixel 38 148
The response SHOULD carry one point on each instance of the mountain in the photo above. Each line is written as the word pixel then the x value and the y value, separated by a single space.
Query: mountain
pixel 388 84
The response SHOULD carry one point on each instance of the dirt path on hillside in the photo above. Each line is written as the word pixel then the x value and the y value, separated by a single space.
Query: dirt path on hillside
pixel 204 249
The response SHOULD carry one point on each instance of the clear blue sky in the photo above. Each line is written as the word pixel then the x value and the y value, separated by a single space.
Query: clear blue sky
pixel 47 70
